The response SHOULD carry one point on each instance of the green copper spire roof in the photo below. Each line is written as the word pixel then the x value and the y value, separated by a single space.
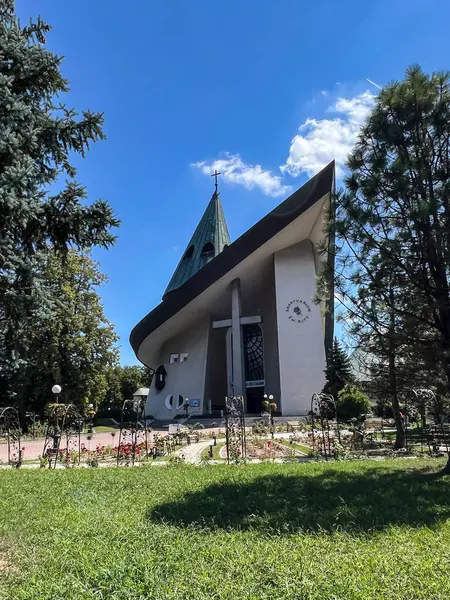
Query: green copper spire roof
pixel 209 239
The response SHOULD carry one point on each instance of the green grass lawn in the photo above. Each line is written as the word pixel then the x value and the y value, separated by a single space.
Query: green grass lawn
pixel 216 451
pixel 361 530
pixel 104 429
pixel 303 449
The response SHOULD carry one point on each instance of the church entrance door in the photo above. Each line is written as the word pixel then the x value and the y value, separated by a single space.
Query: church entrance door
pixel 255 400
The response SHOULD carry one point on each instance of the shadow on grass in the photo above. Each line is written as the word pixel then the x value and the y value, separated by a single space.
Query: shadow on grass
pixel 334 500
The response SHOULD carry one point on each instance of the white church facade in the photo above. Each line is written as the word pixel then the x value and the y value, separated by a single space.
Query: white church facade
pixel 240 318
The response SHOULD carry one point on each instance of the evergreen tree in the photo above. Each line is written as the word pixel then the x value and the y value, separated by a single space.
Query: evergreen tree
pixel 38 136
pixel 338 371
pixel 378 328
pixel 393 226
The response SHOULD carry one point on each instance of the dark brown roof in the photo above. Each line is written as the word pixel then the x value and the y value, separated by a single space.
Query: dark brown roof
pixel 251 240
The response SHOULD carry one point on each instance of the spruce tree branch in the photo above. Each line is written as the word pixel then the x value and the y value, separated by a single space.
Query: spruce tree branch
pixel 369 272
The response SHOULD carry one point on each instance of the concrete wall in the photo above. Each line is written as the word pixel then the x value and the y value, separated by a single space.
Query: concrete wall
pixel 294 356
pixel 261 301
pixel 300 330
pixel 185 378
pixel 216 369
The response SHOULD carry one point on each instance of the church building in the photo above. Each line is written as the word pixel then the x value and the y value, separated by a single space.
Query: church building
pixel 239 318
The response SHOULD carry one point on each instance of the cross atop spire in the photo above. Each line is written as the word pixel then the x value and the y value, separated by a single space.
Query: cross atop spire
pixel 216 175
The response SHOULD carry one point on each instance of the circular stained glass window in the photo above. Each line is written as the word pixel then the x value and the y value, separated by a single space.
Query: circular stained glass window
pixel 174 401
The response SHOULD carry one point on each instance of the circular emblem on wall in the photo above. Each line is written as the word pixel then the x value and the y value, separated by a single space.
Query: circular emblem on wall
pixel 298 310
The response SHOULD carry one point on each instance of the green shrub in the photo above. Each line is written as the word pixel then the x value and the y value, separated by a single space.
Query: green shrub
pixel 259 427
pixel 113 414
pixel 107 423
pixel 352 403
pixel 383 409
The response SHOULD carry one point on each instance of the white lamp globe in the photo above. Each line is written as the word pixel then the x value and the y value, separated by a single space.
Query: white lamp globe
pixel 56 389
pixel 270 397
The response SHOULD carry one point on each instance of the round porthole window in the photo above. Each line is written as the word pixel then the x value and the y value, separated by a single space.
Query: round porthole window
pixel 174 401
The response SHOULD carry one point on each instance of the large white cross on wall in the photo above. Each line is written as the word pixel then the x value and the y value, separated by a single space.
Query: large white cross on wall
pixel 235 349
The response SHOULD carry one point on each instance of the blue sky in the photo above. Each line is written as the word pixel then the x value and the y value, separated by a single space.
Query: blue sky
pixel 267 90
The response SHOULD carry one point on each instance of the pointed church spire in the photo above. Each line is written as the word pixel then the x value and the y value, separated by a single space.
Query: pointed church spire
pixel 210 238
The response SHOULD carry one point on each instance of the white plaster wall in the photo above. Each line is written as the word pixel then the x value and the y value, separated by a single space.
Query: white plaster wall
pixel 300 345
pixel 186 378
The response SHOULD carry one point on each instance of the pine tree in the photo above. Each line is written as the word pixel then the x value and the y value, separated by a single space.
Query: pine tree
pixel 338 371
pixel 38 136
pixel 393 225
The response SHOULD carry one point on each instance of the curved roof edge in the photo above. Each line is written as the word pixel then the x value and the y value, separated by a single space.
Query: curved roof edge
pixel 291 208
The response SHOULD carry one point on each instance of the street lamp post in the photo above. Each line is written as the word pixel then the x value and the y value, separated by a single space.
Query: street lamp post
pixel 269 403
pixel 56 389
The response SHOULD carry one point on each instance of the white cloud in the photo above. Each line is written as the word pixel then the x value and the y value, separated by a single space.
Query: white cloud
pixel 319 141
pixel 234 170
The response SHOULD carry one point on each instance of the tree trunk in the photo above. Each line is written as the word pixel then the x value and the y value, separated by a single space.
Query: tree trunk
pixel 446 469
pixel 21 409
pixel 400 436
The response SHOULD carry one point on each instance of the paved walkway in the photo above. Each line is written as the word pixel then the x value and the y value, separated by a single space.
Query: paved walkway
pixel 192 454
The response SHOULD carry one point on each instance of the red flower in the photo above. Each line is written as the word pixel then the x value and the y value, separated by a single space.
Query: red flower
pixel 23 448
